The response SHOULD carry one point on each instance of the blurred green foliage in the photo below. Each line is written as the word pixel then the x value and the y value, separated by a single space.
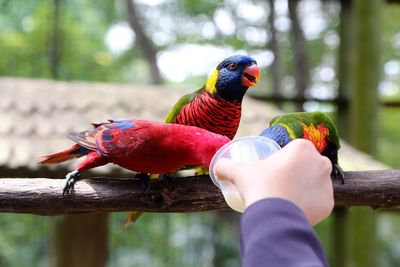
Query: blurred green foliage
pixel 201 239
pixel 173 240
pixel 24 240
pixel 25 40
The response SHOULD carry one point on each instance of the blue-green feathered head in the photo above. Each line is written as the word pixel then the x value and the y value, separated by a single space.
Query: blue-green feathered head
pixel 232 77
pixel 278 133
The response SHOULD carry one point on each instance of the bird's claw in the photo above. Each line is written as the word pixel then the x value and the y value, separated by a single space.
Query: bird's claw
pixel 337 173
pixel 201 171
pixel 144 178
pixel 165 178
pixel 70 180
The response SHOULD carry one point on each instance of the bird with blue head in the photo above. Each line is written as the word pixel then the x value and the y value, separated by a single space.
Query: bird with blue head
pixel 217 105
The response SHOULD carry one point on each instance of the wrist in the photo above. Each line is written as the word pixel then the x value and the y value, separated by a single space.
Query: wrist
pixel 258 193
pixel 275 201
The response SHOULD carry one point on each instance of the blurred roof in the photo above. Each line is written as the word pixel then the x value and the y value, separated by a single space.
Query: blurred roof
pixel 36 115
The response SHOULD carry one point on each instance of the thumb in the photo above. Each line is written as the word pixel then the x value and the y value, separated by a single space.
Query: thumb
pixel 225 169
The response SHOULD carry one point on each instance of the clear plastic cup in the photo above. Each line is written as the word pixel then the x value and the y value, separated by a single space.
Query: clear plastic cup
pixel 246 148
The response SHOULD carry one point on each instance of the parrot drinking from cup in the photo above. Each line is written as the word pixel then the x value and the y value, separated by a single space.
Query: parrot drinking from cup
pixel 217 106
pixel 138 145
pixel 314 126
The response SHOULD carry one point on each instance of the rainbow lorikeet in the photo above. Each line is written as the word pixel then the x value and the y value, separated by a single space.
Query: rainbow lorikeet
pixel 138 145
pixel 314 126
pixel 216 106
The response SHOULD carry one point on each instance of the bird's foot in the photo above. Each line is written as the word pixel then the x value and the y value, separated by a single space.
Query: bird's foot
pixel 201 170
pixel 337 173
pixel 165 178
pixel 144 178
pixel 132 217
pixel 70 180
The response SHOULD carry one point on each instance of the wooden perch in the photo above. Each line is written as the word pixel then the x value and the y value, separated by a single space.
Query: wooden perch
pixel 42 196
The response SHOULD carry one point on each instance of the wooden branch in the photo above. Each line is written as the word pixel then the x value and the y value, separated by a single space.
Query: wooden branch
pixel 378 189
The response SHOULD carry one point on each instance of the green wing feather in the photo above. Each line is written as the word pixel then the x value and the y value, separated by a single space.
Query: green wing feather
pixel 294 121
pixel 176 109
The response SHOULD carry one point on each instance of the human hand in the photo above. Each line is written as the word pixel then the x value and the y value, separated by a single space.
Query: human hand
pixel 297 173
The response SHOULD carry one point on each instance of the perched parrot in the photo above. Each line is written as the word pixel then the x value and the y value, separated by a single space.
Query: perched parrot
pixel 216 106
pixel 138 145
pixel 313 126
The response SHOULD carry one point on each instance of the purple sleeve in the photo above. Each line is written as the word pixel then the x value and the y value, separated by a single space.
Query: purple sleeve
pixel 275 232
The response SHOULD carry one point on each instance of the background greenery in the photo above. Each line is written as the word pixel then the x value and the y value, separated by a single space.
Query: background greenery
pixel 74 40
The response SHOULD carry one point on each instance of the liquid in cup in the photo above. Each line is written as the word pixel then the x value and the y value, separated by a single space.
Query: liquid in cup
pixel 246 148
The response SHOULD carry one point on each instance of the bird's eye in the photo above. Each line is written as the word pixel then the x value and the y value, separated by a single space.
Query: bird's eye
pixel 232 66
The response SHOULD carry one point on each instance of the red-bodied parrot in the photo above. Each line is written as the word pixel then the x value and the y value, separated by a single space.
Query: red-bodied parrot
pixel 314 126
pixel 138 145
pixel 217 106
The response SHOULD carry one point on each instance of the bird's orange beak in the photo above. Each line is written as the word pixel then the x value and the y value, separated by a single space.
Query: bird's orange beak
pixel 250 75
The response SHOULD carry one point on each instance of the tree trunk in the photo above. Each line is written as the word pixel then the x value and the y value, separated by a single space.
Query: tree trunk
pixel 365 75
pixel 362 241
pixel 145 45
pixel 301 68
pixel 363 110
pixel 344 64
pixel 340 232
pixel 55 40
pixel 276 68
pixel 340 216
pixel 81 240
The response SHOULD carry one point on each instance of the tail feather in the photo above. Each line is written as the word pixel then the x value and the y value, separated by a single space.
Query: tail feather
pixel 75 151
pixel 132 217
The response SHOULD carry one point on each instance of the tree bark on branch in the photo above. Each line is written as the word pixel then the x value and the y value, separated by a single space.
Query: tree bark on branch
pixel 378 189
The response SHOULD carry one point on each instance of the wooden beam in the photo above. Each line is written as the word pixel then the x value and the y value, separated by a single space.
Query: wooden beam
pixel 42 196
